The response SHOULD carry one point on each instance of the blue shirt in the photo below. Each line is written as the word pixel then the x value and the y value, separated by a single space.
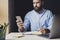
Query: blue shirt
pixel 35 21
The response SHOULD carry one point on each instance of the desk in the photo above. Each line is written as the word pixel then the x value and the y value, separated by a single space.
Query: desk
pixel 27 36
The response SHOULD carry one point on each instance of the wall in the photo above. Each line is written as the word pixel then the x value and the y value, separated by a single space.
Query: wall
pixel 3 11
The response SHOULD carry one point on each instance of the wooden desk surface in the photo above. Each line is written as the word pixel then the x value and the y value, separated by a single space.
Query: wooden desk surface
pixel 26 36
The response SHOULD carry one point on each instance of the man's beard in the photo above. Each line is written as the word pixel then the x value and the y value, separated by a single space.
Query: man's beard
pixel 37 9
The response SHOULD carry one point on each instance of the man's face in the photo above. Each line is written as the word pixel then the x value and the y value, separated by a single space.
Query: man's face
pixel 37 4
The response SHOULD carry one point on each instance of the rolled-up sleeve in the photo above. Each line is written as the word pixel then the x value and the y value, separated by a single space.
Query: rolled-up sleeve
pixel 49 21
pixel 26 23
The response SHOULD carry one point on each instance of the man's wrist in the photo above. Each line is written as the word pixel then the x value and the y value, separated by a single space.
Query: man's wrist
pixel 47 31
pixel 22 29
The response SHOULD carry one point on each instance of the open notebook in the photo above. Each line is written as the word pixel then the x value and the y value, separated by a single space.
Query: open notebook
pixel 33 33
pixel 19 35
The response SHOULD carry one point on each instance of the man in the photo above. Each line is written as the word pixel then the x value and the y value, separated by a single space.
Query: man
pixel 39 19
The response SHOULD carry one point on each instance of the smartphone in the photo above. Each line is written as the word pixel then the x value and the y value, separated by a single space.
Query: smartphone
pixel 19 18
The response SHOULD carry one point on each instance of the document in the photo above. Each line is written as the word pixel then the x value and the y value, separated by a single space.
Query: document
pixel 33 33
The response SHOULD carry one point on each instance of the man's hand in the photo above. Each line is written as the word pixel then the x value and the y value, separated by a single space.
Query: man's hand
pixel 44 31
pixel 20 25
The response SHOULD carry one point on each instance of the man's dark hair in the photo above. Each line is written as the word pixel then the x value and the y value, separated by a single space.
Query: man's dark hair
pixel 42 0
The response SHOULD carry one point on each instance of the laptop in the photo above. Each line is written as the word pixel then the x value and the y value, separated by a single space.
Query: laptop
pixel 55 30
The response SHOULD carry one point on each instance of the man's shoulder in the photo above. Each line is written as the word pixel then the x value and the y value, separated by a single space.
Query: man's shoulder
pixel 48 13
pixel 30 12
pixel 47 10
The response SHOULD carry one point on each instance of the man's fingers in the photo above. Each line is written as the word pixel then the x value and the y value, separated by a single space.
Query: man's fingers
pixel 18 21
pixel 19 24
pixel 42 31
